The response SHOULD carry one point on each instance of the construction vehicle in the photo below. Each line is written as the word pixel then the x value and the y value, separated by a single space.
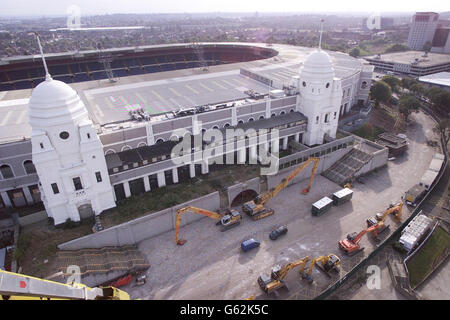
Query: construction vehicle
pixel 226 220
pixel 256 209
pixel 324 263
pixel 14 286
pixel 275 281
pixel 351 246
pixel 394 209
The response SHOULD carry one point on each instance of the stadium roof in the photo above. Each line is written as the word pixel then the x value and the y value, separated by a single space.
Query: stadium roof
pixel 163 92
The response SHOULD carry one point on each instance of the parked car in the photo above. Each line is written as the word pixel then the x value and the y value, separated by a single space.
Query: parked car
pixel 250 244
pixel 278 232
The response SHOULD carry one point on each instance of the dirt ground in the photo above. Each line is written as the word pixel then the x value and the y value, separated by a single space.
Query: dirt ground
pixel 211 266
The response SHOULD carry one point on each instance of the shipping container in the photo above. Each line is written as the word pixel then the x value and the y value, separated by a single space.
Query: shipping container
pixel 321 206
pixel 342 196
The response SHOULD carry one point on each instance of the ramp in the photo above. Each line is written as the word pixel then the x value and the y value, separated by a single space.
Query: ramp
pixel 343 170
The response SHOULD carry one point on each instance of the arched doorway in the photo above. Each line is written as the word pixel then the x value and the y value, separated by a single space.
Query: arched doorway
pixel 85 211
pixel 243 197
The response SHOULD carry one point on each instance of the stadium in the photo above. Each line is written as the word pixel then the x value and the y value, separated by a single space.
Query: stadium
pixel 105 132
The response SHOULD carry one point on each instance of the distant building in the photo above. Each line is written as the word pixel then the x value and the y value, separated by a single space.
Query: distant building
pixel 411 63
pixel 441 40
pixel 423 27
pixel 436 80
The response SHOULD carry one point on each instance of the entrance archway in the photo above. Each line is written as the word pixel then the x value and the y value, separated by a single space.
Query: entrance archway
pixel 243 197
pixel 85 211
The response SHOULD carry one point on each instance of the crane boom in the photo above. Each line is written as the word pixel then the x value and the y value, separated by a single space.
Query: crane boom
pixel 261 200
pixel 224 219
pixel 19 286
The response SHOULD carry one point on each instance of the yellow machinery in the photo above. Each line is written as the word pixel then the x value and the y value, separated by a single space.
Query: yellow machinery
pixel 275 281
pixel 395 210
pixel 14 286
pixel 325 263
pixel 227 220
pixel 256 208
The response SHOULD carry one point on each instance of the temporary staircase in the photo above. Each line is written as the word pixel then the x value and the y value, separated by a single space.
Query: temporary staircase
pixel 343 170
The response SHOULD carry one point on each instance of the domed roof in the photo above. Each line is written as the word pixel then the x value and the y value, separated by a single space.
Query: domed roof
pixel 318 65
pixel 318 59
pixel 53 102
pixel 50 91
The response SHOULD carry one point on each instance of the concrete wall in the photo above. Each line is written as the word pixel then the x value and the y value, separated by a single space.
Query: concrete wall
pixel 379 159
pixel 233 191
pixel 325 162
pixel 142 228
pixel 32 218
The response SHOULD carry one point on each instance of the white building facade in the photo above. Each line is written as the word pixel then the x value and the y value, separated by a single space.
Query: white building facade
pixel 67 154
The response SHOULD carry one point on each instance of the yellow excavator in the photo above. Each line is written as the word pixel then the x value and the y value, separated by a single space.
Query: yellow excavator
pixel 256 209
pixel 228 219
pixel 325 263
pixel 275 281
pixel 14 286
pixel 394 209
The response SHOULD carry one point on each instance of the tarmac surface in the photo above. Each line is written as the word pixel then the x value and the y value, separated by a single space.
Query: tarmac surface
pixel 211 265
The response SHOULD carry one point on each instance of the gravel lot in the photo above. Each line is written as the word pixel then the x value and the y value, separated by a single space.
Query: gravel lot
pixel 211 266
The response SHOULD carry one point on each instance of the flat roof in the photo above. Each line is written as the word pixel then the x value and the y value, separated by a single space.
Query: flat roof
pixel 440 78
pixel 322 202
pixel 163 92
pixel 407 57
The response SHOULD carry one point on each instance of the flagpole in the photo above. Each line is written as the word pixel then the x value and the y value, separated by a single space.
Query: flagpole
pixel 47 74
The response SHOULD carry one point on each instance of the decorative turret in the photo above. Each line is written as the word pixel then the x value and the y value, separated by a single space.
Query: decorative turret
pixel 67 153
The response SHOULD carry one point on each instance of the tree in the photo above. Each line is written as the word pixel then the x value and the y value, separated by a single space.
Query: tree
pixel 440 99
pixel 393 82
pixel 444 128
pixel 355 52
pixel 380 92
pixel 427 46
pixel 417 89
pixel 407 104
pixel 396 48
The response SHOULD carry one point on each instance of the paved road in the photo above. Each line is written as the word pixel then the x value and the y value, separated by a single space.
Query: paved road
pixel 211 266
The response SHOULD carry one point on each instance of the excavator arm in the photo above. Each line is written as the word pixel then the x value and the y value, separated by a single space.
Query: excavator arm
pixel 224 219
pixel 396 210
pixel 14 286
pixel 283 272
pixel 261 200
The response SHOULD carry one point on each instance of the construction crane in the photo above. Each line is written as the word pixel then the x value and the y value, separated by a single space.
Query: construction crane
pixel 14 286
pixel 256 209
pixel 325 263
pixel 351 246
pixel 395 210
pixel 275 281
pixel 227 220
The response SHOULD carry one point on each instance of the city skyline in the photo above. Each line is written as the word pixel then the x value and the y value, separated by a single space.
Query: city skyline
pixel 52 8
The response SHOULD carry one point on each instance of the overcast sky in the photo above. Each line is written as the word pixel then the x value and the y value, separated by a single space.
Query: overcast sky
pixel 89 7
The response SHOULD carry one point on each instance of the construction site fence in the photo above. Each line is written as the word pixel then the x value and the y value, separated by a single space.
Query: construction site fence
pixel 331 289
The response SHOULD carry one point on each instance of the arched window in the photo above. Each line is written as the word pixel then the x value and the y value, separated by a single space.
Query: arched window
pixel 240 122
pixel 109 151
pixel 251 119
pixel 141 144
pixel 227 125
pixel 292 110
pixel 273 115
pixel 125 148
pixel 6 171
pixel 215 127
pixel 282 112
pixel 364 85
pixel 159 141
pixel 29 167
pixel 261 117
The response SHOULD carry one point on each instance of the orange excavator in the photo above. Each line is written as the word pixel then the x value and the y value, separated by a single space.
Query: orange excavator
pixel 351 246
pixel 275 281
pixel 394 209
pixel 256 209
pixel 325 263
pixel 226 220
